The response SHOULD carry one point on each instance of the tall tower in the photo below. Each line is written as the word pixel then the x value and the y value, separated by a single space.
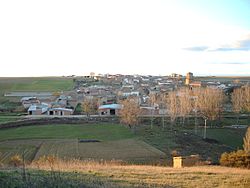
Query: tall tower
pixel 189 78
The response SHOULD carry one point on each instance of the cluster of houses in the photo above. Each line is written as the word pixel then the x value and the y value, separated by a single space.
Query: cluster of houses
pixel 61 106
pixel 110 89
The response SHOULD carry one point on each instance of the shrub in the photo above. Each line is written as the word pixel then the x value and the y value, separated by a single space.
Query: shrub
pixel 238 158
pixel 78 109
pixel 16 160
pixel 246 141
pixel 175 153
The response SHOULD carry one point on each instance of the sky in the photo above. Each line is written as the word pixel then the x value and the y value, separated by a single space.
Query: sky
pixel 156 37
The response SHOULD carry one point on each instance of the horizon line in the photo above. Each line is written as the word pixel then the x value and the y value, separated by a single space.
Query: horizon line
pixel 73 75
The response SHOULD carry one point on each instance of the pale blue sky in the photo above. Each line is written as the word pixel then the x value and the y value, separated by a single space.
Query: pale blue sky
pixel 49 37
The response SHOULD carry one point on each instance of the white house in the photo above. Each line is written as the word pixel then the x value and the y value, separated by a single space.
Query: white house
pixel 109 109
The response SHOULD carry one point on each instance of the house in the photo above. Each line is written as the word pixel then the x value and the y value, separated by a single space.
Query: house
pixel 38 109
pixel 28 101
pixel 59 111
pixel 109 109
pixel 46 109
pixel 63 100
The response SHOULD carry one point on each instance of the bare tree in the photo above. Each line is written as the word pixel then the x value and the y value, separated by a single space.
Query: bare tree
pixel 209 102
pixel 172 105
pixel 194 103
pixel 162 101
pixel 246 141
pixel 238 101
pixel 90 106
pixel 185 106
pixel 241 100
pixel 153 98
pixel 247 98
pixel 130 112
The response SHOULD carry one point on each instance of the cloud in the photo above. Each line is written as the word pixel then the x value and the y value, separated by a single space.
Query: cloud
pixel 230 63
pixel 239 45
pixel 243 44
pixel 197 48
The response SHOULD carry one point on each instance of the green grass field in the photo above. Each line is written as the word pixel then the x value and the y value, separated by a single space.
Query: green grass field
pixel 5 119
pixel 36 84
pixel 227 136
pixel 102 132
pixel 186 142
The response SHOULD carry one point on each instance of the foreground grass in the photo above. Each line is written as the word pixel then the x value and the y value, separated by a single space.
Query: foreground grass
pixel 92 174
pixel 104 132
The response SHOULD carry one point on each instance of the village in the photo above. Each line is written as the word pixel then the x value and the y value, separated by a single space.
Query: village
pixel 120 94
pixel 106 91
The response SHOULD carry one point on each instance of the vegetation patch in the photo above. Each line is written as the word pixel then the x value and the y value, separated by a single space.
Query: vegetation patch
pixel 116 141
pixel 227 136
pixel 181 141
pixel 36 84
pixel 6 119
pixel 85 131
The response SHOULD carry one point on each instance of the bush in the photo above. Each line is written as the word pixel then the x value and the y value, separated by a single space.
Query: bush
pixel 175 153
pixel 16 160
pixel 78 109
pixel 237 158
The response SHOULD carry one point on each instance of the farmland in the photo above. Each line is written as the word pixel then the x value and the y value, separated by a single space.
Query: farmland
pixel 116 142
pixel 36 84
pixel 32 84
pixel 104 132
pixel 63 141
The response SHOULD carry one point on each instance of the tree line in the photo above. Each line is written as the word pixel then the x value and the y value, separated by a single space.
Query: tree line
pixel 208 103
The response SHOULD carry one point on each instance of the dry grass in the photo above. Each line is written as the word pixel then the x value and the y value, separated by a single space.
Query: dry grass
pixel 147 176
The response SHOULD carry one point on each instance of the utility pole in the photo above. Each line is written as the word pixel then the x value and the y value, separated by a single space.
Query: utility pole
pixel 195 122
pixel 205 129
pixel 151 125
pixel 205 126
